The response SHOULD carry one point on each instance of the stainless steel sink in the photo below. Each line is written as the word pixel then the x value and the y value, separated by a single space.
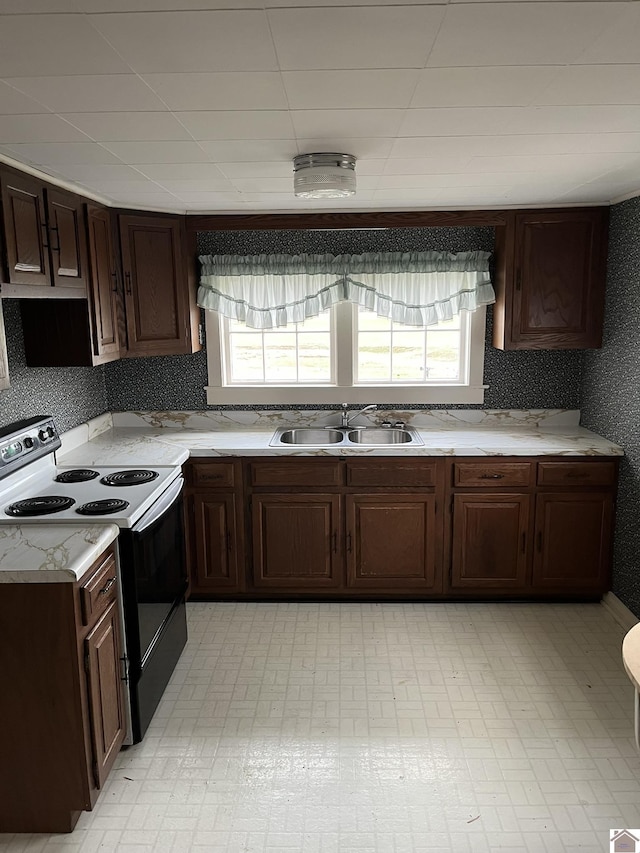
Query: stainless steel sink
pixel 345 437
pixel 312 437
pixel 373 435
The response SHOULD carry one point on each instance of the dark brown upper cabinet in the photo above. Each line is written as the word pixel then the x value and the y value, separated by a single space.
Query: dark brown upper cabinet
pixel 103 290
pixel 45 243
pixel 26 252
pixel 159 302
pixel 550 279
pixel 67 239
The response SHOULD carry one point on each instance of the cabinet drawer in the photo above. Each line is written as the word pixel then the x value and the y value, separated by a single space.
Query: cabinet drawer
pixel 488 474
pixel 212 474
pixel 576 473
pixel 281 472
pixel 101 588
pixel 392 472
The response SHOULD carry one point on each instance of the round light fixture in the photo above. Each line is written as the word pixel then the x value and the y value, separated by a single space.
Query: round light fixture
pixel 324 175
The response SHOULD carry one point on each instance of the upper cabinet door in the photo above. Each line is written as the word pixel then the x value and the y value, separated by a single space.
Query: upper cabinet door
pixel 26 252
pixel 155 286
pixel 551 280
pixel 104 283
pixel 67 239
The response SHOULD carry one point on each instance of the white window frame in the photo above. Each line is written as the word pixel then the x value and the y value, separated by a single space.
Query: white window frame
pixel 468 390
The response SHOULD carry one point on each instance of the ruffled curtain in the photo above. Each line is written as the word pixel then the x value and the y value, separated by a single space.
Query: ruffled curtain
pixel 412 288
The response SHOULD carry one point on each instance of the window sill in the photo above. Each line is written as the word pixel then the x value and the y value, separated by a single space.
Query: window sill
pixel 334 395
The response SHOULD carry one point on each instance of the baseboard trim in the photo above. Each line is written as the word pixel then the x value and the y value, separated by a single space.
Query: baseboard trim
pixel 620 612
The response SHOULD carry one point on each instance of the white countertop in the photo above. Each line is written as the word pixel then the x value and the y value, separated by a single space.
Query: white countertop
pixel 169 438
pixel 51 553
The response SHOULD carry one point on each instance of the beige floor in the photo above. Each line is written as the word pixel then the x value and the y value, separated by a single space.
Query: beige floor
pixel 379 728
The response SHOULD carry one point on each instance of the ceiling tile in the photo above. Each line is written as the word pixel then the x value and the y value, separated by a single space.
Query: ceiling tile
pixel 424 165
pixel 570 119
pixel 93 6
pixel 63 153
pixel 361 148
pixel 233 90
pixel 210 185
pixel 239 150
pixel 364 123
pixel 519 33
pixel 594 84
pixel 45 127
pixel 54 44
pixel 128 126
pixel 212 198
pixel 238 124
pixel 326 90
pixel 484 86
pixel 262 169
pixel 26 7
pixel 562 164
pixel 13 102
pixel 113 187
pixel 456 121
pixel 93 93
pixel 103 172
pixel 191 41
pixel 353 37
pixel 618 43
pixel 158 152
pixel 181 171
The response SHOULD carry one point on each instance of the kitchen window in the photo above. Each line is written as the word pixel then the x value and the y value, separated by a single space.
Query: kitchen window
pixel 285 330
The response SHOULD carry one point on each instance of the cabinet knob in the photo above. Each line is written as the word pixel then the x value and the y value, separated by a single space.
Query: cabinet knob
pixel 127 278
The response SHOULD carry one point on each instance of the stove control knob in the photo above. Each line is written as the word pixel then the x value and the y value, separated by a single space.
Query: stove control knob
pixel 51 432
pixel 42 435
pixel 28 442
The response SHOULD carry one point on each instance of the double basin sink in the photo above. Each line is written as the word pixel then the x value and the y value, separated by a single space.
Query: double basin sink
pixel 345 437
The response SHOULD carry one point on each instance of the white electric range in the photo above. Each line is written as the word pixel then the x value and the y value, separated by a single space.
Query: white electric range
pixel 147 505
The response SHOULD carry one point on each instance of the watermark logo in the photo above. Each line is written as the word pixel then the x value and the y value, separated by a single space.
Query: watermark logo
pixel 624 841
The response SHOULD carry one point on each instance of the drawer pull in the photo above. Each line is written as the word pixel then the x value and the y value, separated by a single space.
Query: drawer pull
pixel 109 584
pixel 491 476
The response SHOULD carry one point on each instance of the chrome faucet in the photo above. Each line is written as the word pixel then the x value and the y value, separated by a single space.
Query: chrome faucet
pixel 346 418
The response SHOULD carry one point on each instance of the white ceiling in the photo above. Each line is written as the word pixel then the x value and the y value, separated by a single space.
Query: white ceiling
pixel 200 105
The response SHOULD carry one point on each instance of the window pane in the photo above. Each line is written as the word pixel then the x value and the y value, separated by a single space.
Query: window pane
pixel 321 323
pixel 314 357
pixel 369 321
pixel 408 356
pixel 374 357
pixel 280 357
pixel 245 356
pixel 443 355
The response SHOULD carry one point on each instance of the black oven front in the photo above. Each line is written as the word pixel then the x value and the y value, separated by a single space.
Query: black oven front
pixel 154 582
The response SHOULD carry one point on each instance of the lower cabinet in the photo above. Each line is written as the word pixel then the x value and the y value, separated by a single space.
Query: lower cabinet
pixel 401 527
pixel 297 541
pixel 572 542
pixel 490 542
pixel 391 542
pixel 63 728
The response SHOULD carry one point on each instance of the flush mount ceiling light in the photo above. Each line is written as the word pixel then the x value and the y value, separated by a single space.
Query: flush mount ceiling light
pixel 324 175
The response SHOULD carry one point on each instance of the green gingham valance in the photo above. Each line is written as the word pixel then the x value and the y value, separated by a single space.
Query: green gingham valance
pixel 413 288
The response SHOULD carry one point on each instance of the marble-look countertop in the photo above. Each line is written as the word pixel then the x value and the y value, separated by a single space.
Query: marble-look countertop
pixel 51 553
pixel 169 438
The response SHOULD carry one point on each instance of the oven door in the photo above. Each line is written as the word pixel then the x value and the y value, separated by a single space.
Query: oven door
pixel 152 556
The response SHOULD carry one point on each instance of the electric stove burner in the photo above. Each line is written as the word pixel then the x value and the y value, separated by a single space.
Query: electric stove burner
pixel 44 505
pixel 133 477
pixel 78 475
pixel 104 507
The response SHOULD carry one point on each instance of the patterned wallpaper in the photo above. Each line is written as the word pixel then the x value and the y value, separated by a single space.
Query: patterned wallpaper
pixel 611 390
pixel 71 394
pixel 517 380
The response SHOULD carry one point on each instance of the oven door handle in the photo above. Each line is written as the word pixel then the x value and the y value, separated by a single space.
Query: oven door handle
pixel 162 505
